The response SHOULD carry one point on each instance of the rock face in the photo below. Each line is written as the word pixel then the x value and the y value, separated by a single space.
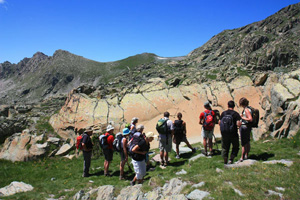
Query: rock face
pixel 276 100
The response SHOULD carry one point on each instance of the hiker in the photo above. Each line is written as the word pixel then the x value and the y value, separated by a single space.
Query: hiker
pixel 134 121
pixel 87 147
pixel 246 128
pixel 139 155
pixel 123 152
pixel 207 119
pixel 166 132
pixel 229 124
pixel 180 134
pixel 108 152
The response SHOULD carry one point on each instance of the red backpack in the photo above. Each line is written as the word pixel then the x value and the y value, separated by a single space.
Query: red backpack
pixel 209 120
pixel 78 142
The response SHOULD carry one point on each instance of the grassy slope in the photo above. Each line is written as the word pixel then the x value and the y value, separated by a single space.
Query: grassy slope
pixel 253 182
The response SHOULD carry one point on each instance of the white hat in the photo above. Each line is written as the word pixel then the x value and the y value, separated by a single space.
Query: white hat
pixel 109 128
pixel 150 134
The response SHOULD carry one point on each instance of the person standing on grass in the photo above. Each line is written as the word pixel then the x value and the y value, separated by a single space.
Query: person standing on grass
pixel 165 138
pixel 139 155
pixel 180 134
pixel 123 152
pixel 229 123
pixel 87 147
pixel 108 152
pixel 245 129
pixel 207 121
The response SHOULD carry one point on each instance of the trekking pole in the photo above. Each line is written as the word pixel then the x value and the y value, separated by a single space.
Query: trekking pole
pixel 216 142
pixel 129 166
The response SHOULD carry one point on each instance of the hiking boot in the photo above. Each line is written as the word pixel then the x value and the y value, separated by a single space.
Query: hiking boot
pixel 210 153
pixel 194 150
pixel 162 163
pixel 177 156
pixel 132 183
pixel 86 175
pixel 204 153
pixel 108 175
pixel 230 162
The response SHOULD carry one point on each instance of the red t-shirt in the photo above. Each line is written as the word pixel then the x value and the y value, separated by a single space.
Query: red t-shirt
pixel 110 140
pixel 207 111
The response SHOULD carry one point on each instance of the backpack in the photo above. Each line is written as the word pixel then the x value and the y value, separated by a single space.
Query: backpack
pixel 208 123
pixel 255 117
pixel 133 142
pixel 227 124
pixel 162 127
pixel 217 116
pixel 178 127
pixel 79 142
pixel 103 141
pixel 117 143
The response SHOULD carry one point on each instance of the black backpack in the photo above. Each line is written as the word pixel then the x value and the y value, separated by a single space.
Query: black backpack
pixel 217 116
pixel 162 126
pixel 178 127
pixel 227 124
pixel 133 142
pixel 117 143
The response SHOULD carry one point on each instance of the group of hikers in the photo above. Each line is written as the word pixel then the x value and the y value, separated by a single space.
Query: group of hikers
pixel 134 143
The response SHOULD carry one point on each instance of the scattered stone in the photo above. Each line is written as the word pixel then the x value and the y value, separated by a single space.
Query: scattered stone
pixel 235 190
pixel 131 193
pixel 69 190
pixel 154 194
pixel 90 181
pixel 175 197
pixel 218 170
pixel 298 153
pixel 245 163
pixel 266 141
pixel 199 184
pixel 53 179
pixel 196 157
pixel 281 189
pixel 53 140
pixel 198 194
pixel 69 156
pixel 182 150
pixel 79 195
pixel 270 192
pixel 282 161
pixel 174 187
pixel 15 187
pixel 105 192
pixel 181 172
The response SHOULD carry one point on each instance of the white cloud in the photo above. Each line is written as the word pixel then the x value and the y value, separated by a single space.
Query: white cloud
pixel 2 1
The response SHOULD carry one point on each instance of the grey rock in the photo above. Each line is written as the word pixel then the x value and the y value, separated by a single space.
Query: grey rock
pixel 218 170
pixel 280 189
pixel 65 149
pixel 53 140
pixel 181 172
pixel 199 184
pixel 282 161
pixel 175 197
pixel 173 187
pixel 270 192
pixel 15 187
pixel 196 157
pixel 245 163
pixel 198 194
pixel 105 192
pixel 131 193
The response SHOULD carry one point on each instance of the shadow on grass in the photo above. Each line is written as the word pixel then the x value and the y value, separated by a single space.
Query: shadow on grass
pixel 263 156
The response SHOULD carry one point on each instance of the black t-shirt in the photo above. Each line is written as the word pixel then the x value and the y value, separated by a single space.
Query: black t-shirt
pixel 86 139
pixel 143 147
pixel 235 116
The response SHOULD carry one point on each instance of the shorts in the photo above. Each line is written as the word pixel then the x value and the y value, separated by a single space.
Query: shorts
pixel 139 168
pixel 108 154
pixel 245 134
pixel 180 138
pixel 122 155
pixel 207 134
pixel 163 146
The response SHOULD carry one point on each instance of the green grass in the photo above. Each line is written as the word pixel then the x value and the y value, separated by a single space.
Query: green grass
pixel 253 182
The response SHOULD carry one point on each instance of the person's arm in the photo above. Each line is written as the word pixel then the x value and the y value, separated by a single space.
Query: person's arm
pixel 238 123
pixel 125 148
pixel 136 149
pixel 248 116
pixel 184 127
pixel 201 119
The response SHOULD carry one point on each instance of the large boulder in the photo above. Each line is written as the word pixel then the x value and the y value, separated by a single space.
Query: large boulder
pixel 15 187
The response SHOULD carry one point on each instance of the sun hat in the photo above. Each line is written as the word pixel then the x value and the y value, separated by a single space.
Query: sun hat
pixel 88 130
pixel 150 134
pixel 126 131
pixel 109 128
pixel 134 119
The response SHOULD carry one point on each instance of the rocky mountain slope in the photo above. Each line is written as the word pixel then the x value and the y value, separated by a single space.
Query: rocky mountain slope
pixel 259 61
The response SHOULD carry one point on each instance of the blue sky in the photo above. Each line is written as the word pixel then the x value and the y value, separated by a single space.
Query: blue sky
pixel 105 30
